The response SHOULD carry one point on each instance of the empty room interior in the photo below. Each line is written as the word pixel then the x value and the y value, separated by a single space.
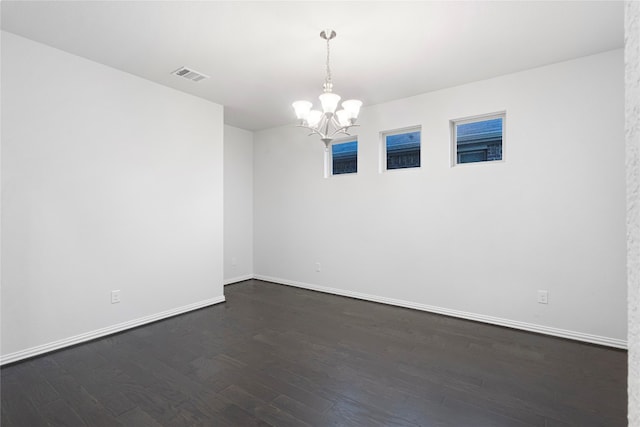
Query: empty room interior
pixel 320 213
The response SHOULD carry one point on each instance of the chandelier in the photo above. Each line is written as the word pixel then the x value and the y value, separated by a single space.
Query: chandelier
pixel 328 123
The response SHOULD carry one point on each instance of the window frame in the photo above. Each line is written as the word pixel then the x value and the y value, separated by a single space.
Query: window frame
pixel 382 161
pixel 453 125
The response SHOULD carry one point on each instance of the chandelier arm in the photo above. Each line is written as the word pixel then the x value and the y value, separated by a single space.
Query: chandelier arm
pixel 326 124
pixel 335 122
pixel 313 131
pixel 337 128
pixel 343 130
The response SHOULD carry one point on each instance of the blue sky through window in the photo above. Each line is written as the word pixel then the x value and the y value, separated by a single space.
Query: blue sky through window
pixel 480 130
pixel 403 141
pixel 346 148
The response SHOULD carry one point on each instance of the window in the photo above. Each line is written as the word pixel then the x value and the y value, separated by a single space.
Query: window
pixel 478 139
pixel 402 149
pixel 344 157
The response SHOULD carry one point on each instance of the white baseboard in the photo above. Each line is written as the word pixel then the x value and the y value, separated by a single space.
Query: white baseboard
pixel 531 327
pixel 237 279
pixel 98 333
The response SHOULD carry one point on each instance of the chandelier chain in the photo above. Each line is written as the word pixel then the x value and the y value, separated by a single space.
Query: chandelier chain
pixel 328 83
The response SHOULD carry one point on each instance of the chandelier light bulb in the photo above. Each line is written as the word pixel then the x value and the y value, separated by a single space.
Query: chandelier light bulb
pixel 302 109
pixel 314 118
pixel 329 102
pixel 352 106
pixel 343 117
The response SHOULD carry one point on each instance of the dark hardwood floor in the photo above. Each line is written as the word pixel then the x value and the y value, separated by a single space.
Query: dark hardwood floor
pixel 281 356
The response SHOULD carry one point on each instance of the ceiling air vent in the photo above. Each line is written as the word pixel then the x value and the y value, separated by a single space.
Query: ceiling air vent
pixel 190 74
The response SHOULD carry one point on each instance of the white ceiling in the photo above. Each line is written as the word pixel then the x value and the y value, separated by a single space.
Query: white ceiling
pixel 264 55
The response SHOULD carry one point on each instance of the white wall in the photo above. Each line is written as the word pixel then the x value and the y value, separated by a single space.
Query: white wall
pixel 109 182
pixel 477 240
pixel 238 204
pixel 632 112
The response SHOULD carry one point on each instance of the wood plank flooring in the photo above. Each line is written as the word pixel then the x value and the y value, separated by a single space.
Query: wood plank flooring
pixel 274 355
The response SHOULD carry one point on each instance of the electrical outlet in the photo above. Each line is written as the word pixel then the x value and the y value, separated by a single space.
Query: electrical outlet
pixel 318 267
pixel 234 262
pixel 543 297
pixel 115 296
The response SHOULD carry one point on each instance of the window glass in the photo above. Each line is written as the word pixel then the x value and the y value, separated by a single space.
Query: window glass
pixel 479 140
pixel 345 157
pixel 403 149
